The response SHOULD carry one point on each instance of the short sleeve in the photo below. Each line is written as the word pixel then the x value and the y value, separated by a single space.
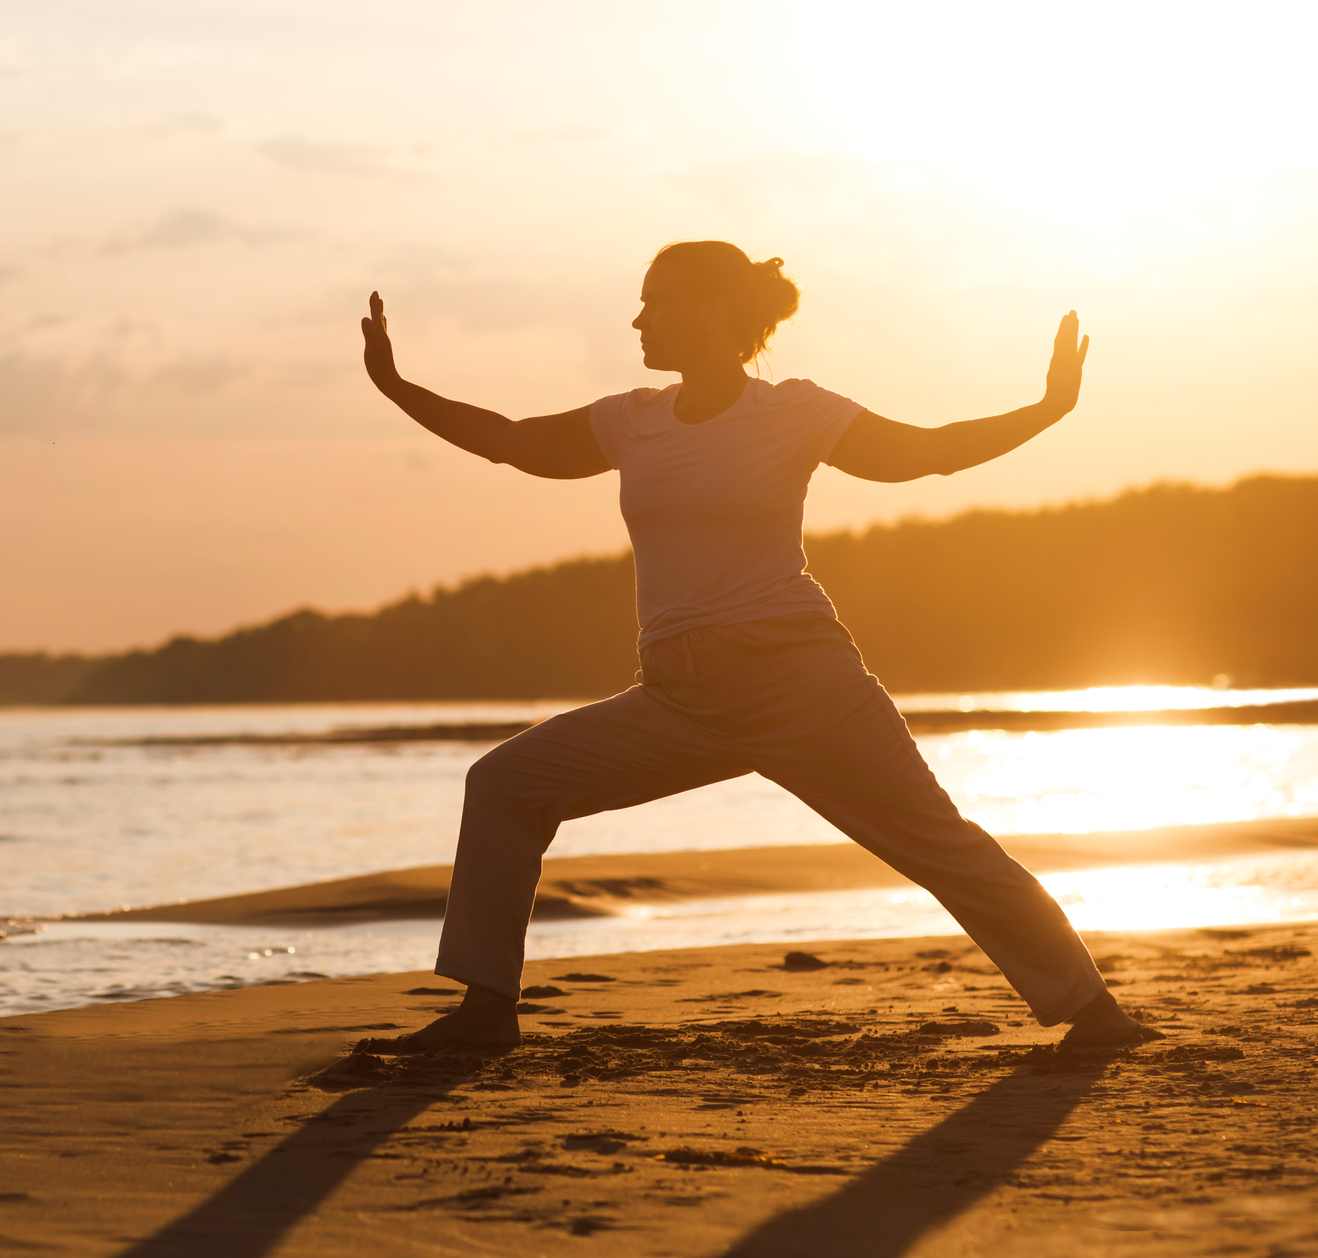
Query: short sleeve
pixel 605 420
pixel 827 416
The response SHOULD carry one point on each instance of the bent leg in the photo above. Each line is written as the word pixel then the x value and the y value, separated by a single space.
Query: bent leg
pixel 613 754
pixel 866 776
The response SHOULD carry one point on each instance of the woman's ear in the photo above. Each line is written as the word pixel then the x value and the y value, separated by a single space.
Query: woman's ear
pixel 716 315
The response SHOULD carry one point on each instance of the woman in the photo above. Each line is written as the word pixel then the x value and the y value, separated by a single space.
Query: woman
pixel 744 666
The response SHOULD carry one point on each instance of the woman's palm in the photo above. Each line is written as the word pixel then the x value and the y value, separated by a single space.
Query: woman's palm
pixel 1068 361
pixel 379 352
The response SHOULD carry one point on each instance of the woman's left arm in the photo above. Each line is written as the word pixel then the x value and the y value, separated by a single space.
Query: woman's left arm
pixel 875 448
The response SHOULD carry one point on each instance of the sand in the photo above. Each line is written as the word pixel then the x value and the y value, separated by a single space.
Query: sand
pixel 593 885
pixel 896 1100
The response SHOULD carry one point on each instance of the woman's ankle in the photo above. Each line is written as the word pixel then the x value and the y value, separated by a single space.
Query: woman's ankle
pixel 485 998
pixel 1102 1007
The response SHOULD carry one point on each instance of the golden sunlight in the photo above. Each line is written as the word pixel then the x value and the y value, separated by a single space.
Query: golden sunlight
pixel 1163 897
pixel 1076 781
pixel 1113 125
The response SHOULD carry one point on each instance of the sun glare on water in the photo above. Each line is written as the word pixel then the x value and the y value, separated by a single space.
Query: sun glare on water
pixel 1076 781
pixel 1226 893
pixel 1109 699
pixel 1241 892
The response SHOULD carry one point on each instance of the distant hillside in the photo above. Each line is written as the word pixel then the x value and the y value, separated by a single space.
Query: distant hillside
pixel 1172 584
pixel 33 677
pixel 1169 584
pixel 566 630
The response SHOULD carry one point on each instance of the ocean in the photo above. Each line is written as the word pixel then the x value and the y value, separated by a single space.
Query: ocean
pixel 94 817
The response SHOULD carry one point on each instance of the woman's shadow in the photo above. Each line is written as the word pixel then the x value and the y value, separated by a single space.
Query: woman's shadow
pixel 250 1214
pixel 934 1177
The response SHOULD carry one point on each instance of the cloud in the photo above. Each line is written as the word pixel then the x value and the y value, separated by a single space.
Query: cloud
pixel 32 67
pixel 41 391
pixel 317 156
pixel 187 122
pixel 190 227
pixel 51 393
pixel 484 297
pixel 491 303
pixel 560 135
pixel 315 374
pixel 181 229
pixel 197 376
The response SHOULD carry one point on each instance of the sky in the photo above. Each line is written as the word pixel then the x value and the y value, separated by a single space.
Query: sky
pixel 197 199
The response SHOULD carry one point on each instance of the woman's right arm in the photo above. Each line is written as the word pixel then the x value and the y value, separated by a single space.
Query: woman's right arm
pixel 559 447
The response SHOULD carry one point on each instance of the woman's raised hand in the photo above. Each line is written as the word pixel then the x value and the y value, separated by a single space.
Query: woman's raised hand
pixel 1064 371
pixel 379 353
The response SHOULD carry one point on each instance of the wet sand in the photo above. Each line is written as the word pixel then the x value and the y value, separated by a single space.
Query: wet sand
pixel 585 886
pixel 895 1100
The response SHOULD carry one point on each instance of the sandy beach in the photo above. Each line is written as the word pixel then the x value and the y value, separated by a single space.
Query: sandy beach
pixel 876 1097
pixel 584 886
pixel 893 1099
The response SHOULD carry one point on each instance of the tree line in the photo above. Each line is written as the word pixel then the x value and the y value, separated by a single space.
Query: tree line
pixel 1169 584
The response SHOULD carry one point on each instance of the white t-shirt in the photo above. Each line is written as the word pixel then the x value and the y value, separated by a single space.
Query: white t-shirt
pixel 714 509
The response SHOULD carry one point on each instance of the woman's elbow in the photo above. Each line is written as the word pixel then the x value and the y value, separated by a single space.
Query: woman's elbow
pixel 926 463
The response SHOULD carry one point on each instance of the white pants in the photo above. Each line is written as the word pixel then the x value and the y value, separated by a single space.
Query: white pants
pixel 788 698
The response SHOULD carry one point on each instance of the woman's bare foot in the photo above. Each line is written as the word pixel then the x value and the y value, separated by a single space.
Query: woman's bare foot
pixel 1102 1023
pixel 484 1017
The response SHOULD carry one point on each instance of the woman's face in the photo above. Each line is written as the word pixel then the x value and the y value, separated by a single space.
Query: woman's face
pixel 677 330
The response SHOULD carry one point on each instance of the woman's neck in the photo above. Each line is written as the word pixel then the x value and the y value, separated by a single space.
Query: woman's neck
pixel 708 391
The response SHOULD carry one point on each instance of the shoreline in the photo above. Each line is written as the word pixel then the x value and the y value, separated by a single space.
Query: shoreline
pixel 600 886
pixel 710 1103
pixel 918 721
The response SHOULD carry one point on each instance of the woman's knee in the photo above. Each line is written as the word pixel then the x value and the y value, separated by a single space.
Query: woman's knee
pixel 503 792
pixel 493 774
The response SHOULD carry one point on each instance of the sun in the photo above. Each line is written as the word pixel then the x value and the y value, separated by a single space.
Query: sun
pixel 1131 124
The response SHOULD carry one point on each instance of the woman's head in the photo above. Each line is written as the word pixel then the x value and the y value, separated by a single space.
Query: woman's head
pixel 706 297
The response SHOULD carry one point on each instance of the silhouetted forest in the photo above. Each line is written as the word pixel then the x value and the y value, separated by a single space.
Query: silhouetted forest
pixel 33 677
pixel 1168 584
